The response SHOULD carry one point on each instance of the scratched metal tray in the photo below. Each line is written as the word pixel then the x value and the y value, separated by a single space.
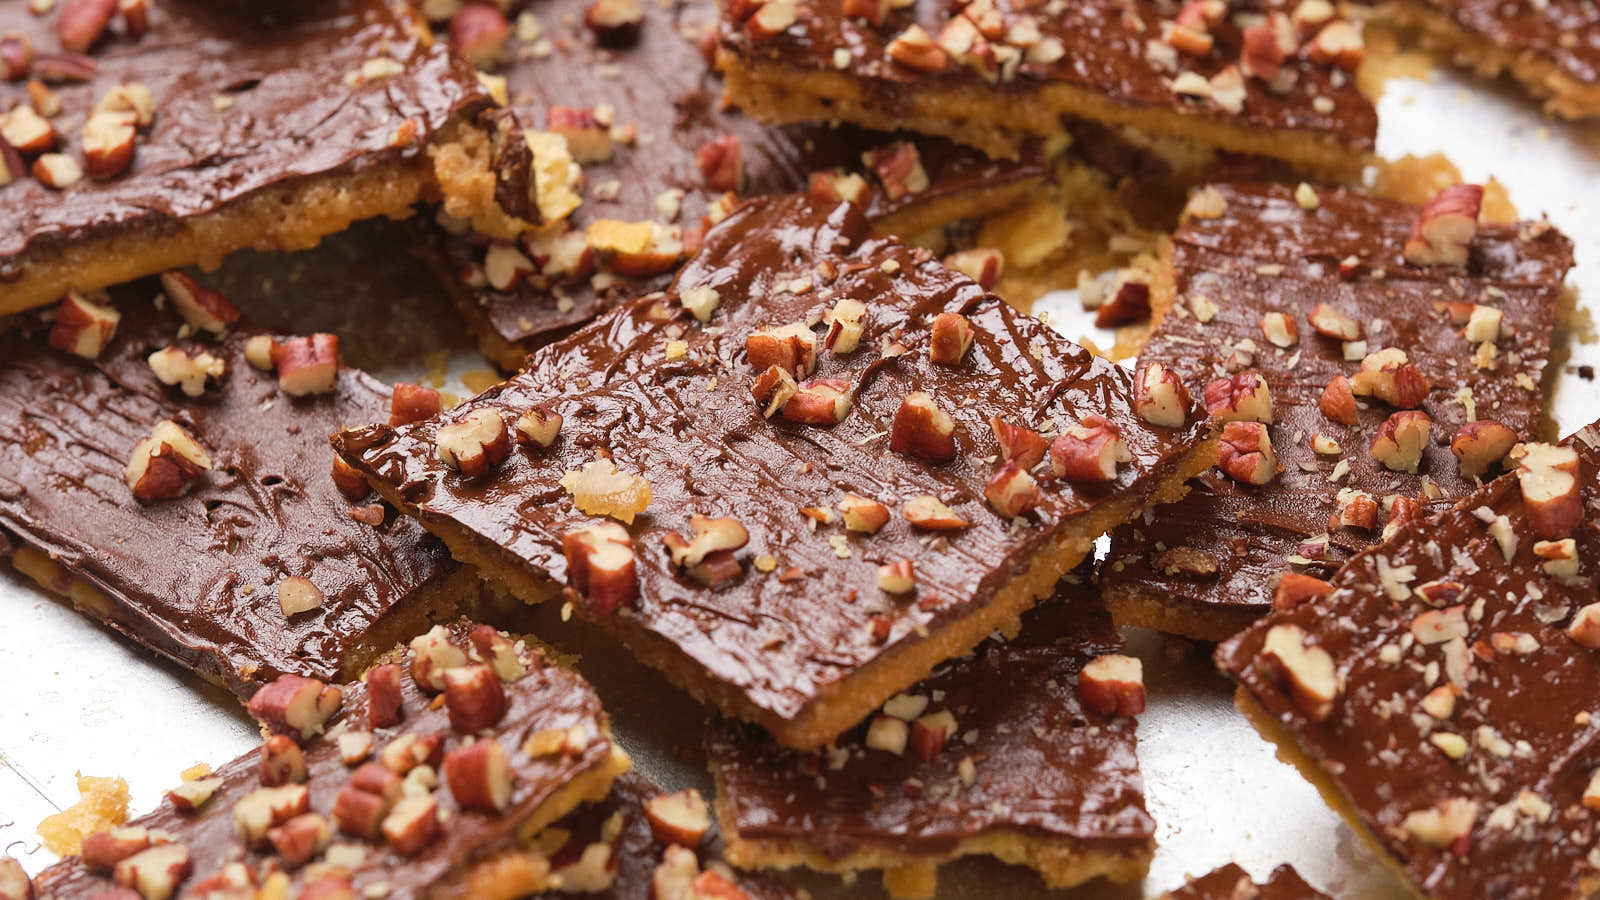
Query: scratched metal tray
pixel 73 698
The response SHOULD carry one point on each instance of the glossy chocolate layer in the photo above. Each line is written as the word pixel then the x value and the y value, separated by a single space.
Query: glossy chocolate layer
pixel 1526 706
pixel 241 104
pixel 1266 253
pixel 1044 765
pixel 1104 44
pixel 635 850
pixel 657 84
pixel 193 578
pixel 1230 882
pixel 1565 33
pixel 546 699
pixel 783 636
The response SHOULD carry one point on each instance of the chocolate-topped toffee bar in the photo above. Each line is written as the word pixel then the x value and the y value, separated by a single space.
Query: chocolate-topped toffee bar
pixel 142 136
pixel 635 149
pixel 1552 48
pixel 1360 373
pixel 1231 882
pixel 1442 697
pixel 794 526
pixel 1269 79
pixel 1023 750
pixel 179 489
pixel 406 784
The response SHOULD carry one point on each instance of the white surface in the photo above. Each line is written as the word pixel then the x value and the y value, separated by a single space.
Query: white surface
pixel 75 698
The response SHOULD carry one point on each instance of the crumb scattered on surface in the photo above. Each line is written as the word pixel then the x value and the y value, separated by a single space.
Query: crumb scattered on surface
pixel 438 369
pixel 102 803
pixel 480 380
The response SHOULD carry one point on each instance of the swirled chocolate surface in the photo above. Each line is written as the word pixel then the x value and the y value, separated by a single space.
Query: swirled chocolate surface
pixel 1042 764
pixel 194 578
pixel 1220 548
pixel 1481 797
pixel 244 100
pixel 669 400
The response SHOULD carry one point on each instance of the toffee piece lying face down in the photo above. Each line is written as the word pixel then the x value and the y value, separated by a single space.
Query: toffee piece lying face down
pixel 649 146
pixel 1259 78
pixel 1442 697
pixel 376 787
pixel 794 527
pixel 257 567
pixel 1002 752
pixel 1388 385
pixel 144 141
pixel 1230 882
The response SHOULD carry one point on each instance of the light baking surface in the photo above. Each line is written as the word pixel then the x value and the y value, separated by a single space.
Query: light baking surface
pixel 75 699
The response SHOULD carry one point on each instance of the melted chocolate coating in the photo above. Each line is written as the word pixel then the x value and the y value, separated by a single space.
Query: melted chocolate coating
pixel 1104 43
pixel 1528 713
pixel 1046 766
pixel 636 850
pixel 290 113
pixel 1230 882
pixel 1247 531
pixel 658 83
pixel 191 578
pixel 547 698
pixel 1564 32
pixel 784 638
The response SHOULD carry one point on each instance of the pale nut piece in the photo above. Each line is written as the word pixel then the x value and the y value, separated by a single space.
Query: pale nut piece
pixel 104 849
pixel 1245 453
pixel 845 327
pixel 873 12
pixel 27 132
pixel 1242 397
pixel 721 163
pixel 1481 445
pixel 1159 396
pixel 473 697
pixel 202 307
pixel 83 326
pixel 710 536
pixel 155 873
pixel 263 809
pixel 1446 825
pixel 1340 44
pixel 189 368
pixel 587 139
pixel 1330 322
pixel 539 427
pixel 1483 324
pixel 821 402
pixel 600 565
pixel 298 594
pixel 1445 226
pixel 701 302
pixel 1024 446
pixel 258 351
pixel 1401 439
pixel 985 265
pixel 1548 476
pixel 681 818
pixel 1090 451
pixel 1558 559
pixel 191 795
pixel 898 166
pixel 411 825
pixel 1113 685
pixel 1357 509
pixel 1338 402
pixel 506 267
pixel 499 652
pixel 929 512
pixel 385 696
pixel 838 185
pixel 57 170
pixel 1011 491
pixel 281 762
pixel 863 515
pixel 432 655
pixel 479 776
pixel 1388 376
pixel 792 348
pixel 929 734
pixel 949 339
pixel 897 577
pixel 355 747
pixel 474 445
pixel 165 464
pixel 922 429
pixel 915 49
pixel 771 19
pixel 1294 589
pixel 108 143
pixel 295 705
pixel 1307 671
pixel 300 839
pixel 773 389
pixel 1280 330
pixel 1585 627
pixel 307 365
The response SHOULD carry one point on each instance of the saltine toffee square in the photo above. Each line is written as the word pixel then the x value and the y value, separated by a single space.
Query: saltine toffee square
pixel 1364 359
pixel 1442 697
pixel 793 526
pixel 170 474
pixel 617 125
pixel 413 782
pixel 144 136
pixel 1267 79
pixel 1024 750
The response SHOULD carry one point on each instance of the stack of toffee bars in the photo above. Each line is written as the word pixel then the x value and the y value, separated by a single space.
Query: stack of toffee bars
pixel 770 428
